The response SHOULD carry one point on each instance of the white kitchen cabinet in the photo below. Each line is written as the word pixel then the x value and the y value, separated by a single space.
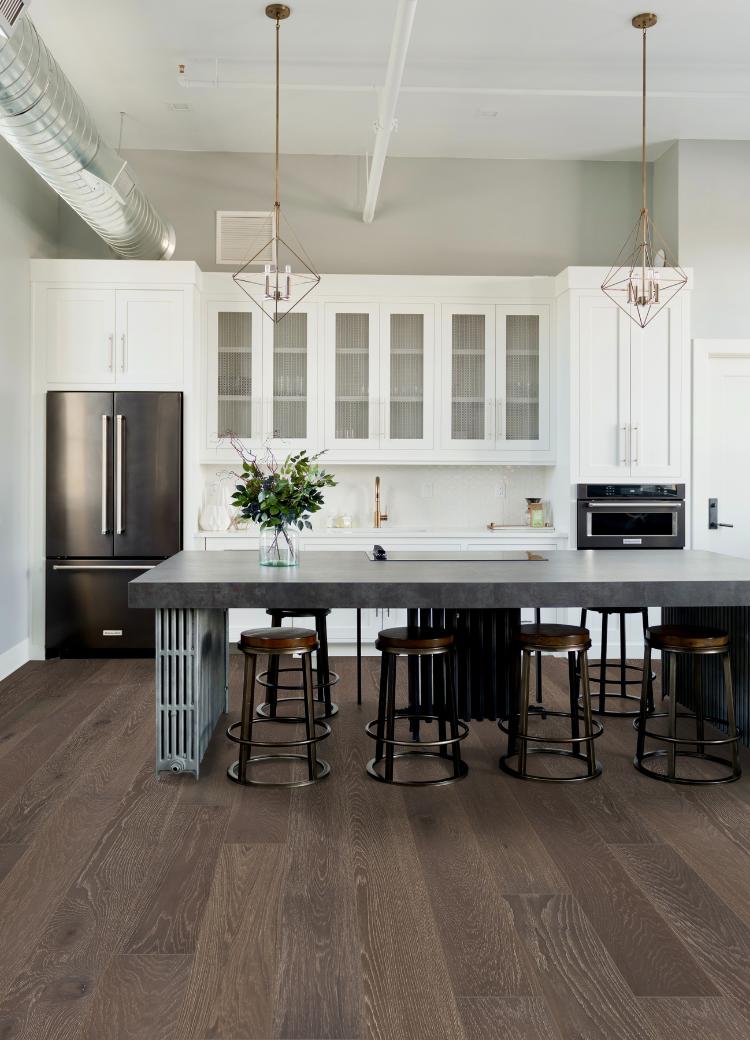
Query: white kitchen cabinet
pixel 408 354
pixel 496 381
pixel 106 336
pixel 630 393
pixel 149 337
pixel 79 335
pixel 290 380
pixel 353 414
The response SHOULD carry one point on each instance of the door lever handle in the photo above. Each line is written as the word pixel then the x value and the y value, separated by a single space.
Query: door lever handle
pixel 726 525
pixel 713 515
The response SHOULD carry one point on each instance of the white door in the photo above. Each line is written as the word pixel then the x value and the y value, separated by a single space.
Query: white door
pixel 656 395
pixel 467 399
pixel 407 376
pixel 149 337
pixel 234 384
pixel 352 352
pixel 523 378
pixel 604 447
pixel 290 376
pixel 721 436
pixel 80 335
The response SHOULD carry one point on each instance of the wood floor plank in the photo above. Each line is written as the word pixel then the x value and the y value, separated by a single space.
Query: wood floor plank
pixel 139 998
pixel 75 766
pixel 709 929
pixel 259 817
pixel 587 996
pixel 171 917
pixel 405 979
pixel 233 977
pixel 507 1018
pixel 482 951
pixel 710 1018
pixel 9 854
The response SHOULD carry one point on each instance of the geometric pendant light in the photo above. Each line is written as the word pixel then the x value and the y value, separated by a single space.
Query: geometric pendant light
pixel 278 277
pixel 644 277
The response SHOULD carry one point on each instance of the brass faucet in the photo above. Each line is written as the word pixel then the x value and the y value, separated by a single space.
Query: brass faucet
pixel 379 517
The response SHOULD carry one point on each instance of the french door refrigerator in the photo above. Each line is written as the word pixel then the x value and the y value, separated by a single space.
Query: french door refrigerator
pixel 113 510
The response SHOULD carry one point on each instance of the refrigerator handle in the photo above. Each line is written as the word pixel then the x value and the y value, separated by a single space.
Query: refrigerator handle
pixel 105 481
pixel 118 477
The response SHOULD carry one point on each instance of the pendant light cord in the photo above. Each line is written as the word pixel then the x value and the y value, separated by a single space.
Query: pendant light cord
pixel 277 200
pixel 643 127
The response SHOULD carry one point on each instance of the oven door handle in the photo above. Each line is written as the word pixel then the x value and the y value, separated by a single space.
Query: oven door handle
pixel 630 505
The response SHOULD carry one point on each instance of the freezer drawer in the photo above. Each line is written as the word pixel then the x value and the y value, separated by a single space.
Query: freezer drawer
pixel 87 611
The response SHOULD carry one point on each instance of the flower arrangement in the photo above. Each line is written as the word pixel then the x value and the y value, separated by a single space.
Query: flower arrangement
pixel 280 497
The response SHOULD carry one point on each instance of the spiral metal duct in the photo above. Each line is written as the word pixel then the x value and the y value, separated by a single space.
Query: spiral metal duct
pixel 45 120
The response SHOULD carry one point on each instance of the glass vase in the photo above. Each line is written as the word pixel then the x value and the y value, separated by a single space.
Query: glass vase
pixel 278 547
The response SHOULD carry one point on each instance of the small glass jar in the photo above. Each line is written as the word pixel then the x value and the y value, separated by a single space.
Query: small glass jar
pixel 278 547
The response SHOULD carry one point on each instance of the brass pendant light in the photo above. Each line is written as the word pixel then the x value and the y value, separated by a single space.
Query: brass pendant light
pixel 645 277
pixel 287 275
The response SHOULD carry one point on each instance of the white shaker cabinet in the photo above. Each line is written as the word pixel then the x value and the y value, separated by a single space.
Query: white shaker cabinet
pixel 103 336
pixel 631 422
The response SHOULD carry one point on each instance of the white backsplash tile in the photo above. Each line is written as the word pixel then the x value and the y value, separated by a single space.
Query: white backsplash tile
pixel 430 496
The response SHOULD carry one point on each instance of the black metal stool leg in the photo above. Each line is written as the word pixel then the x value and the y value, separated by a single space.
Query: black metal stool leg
pixel 382 707
pixel 309 695
pixel 359 655
pixel 273 674
pixel 439 701
pixel 623 657
pixel 646 693
pixel 700 725
pixel 523 728
pixel 248 706
pixel 672 751
pixel 603 666
pixel 538 660
pixel 573 684
pixel 731 721
pixel 390 716
pixel 650 672
pixel 450 685
pixel 324 667
pixel 588 726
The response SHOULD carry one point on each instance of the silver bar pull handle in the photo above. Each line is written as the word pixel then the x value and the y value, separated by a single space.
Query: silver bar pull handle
pixel 103 566
pixel 499 431
pixel 118 477
pixel 123 352
pixel 624 459
pixel 105 428
pixel 637 440
pixel 111 352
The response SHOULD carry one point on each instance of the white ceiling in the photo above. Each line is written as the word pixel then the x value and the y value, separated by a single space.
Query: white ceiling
pixel 485 78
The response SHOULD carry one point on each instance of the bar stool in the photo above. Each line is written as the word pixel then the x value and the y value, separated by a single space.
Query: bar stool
pixel 278 642
pixel 630 674
pixel 324 677
pixel 413 642
pixel 546 638
pixel 694 642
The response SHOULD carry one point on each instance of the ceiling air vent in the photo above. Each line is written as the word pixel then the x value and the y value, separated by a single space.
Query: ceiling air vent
pixel 10 12
pixel 240 234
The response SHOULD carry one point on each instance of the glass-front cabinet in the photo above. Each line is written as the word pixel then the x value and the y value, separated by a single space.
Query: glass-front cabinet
pixel 261 378
pixel 379 377
pixel 496 379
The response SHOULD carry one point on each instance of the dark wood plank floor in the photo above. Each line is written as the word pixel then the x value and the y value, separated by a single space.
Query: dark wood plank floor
pixel 132 907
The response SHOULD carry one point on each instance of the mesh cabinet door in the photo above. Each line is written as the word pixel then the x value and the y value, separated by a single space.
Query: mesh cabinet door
pixel 407 375
pixel 234 390
pixel 290 378
pixel 352 418
pixel 523 377
pixel 467 418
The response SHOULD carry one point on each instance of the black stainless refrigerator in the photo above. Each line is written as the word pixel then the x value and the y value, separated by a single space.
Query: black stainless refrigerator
pixel 113 510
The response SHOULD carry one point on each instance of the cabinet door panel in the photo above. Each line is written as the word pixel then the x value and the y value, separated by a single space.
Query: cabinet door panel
pixel 407 376
pixel 523 378
pixel 291 380
pixel 656 406
pixel 468 356
pixel 80 335
pixel 234 374
pixel 149 337
pixel 353 416
pixel 604 390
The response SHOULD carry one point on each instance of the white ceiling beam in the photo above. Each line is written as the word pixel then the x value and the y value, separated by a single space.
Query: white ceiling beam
pixel 389 99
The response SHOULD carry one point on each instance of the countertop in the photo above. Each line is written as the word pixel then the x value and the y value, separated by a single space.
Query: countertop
pixel 395 532
pixel 568 578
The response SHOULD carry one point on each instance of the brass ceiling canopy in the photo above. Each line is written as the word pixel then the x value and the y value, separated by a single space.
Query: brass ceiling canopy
pixel 277 277
pixel 645 276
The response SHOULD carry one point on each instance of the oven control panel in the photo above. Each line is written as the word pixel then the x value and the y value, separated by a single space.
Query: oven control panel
pixel 623 492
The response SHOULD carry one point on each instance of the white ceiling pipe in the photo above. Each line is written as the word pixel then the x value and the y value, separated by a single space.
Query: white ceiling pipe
pixel 396 62
pixel 47 123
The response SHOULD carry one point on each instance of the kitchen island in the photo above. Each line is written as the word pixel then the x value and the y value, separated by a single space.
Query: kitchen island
pixel 192 591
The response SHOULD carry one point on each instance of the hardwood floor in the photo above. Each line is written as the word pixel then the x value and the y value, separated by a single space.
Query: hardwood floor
pixel 147 909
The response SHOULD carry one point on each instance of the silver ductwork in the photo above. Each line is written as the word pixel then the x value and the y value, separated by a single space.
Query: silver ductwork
pixel 45 120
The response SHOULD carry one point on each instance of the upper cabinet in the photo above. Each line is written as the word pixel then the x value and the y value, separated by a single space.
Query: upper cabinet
pixel 630 381
pixel 496 381
pixel 106 336
pixel 352 377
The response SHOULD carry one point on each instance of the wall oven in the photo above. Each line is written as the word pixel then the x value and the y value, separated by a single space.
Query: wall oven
pixel 631 516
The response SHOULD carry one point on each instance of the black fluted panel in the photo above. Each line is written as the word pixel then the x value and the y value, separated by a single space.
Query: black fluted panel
pixel 487 663
pixel 736 621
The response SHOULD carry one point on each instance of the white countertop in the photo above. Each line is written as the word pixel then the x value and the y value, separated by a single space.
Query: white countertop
pixel 394 531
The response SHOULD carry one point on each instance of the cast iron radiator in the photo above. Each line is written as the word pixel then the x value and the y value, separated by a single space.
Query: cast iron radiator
pixel 487 666
pixel 736 621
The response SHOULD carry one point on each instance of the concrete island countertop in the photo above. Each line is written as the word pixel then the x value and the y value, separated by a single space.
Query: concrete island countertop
pixel 568 578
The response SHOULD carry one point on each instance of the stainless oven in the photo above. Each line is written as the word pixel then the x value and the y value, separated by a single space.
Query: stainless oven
pixel 631 516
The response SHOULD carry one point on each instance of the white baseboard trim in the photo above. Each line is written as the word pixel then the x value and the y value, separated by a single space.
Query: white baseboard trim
pixel 14 658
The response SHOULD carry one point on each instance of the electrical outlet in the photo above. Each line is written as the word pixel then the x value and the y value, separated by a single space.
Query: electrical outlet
pixel 500 491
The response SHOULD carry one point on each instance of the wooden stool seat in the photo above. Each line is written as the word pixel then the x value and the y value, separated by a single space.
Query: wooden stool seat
pixel 416 639
pixel 696 639
pixel 553 637
pixel 287 612
pixel 279 640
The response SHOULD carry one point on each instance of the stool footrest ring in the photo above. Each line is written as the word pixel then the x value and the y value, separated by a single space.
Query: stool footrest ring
pixel 263 711
pixel 664 738
pixel 541 739
pixel 305 742
pixel 448 742
pixel 322 770
pixel 729 778
pixel 373 771
pixel 263 680
pixel 506 768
